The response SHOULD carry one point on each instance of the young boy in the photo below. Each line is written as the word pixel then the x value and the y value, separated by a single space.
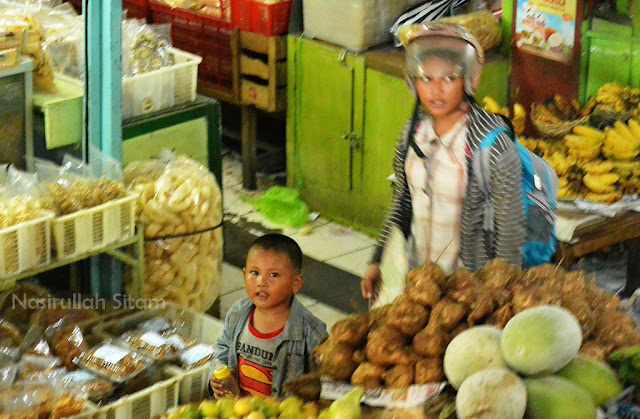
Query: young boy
pixel 269 337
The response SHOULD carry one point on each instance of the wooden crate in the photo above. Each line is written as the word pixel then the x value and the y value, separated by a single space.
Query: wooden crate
pixel 262 70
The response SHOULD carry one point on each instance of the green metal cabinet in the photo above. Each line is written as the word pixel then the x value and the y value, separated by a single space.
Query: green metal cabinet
pixel 342 124
pixel 343 121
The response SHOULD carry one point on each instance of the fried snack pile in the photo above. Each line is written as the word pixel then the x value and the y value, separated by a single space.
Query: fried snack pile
pixel 79 195
pixel 180 206
pixel 20 209
pixel 403 343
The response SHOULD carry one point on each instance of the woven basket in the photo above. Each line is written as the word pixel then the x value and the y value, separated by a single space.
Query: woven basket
pixel 600 119
pixel 554 130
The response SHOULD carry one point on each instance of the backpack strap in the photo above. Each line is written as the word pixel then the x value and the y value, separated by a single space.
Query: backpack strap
pixel 413 129
pixel 481 165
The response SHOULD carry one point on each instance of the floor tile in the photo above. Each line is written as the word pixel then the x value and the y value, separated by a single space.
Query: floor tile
pixel 328 315
pixel 231 279
pixel 355 263
pixel 331 241
pixel 235 204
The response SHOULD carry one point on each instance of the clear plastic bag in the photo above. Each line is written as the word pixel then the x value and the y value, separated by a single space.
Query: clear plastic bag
pixel 145 47
pixel 99 389
pixel 10 336
pixel 197 355
pixel 152 344
pixel 113 362
pixel 8 375
pixel 73 187
pixel 22 198
pixel 180 207
pixel 31 365
pixel 35 342
pixel 67 342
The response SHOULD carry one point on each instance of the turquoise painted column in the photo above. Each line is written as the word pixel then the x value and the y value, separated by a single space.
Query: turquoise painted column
pixel 103 116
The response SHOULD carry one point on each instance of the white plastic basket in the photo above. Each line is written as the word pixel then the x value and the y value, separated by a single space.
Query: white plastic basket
pixel 197 326
pixel 145 404
pixel 160 89
pixel 26 245
pixel 94 228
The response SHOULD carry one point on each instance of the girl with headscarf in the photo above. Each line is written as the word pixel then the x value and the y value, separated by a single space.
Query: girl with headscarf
pixel 437 202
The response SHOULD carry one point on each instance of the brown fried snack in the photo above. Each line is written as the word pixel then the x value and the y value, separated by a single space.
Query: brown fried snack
pixel 429 370
pixel 430 342
pixel 574 283
pixel 466 296
pixel 481 307
pixel 543 275
pixel 359 356
pixel 455 332
pixel 424 291
pixel 337 361
pixel 447 314
pixel 385 345
pixel 67 344
pixel 400 376
pixel 581 310
pixel 378 316
pixel 368 375
pixel 407 316
pixel 496 274
pixel 430 271
pixel 596 350
pixel 617 329
pixel 307 387
pixel 500 317
pixel 461 279
pixel 351 331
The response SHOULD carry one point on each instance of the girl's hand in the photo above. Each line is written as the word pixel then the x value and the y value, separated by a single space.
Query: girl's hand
pixel 227 389
pixel 370 283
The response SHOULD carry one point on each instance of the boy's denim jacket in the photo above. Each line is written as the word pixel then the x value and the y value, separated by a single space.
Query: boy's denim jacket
pixel 302 333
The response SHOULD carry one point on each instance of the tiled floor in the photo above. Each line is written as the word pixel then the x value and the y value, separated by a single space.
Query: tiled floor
pixel 349 250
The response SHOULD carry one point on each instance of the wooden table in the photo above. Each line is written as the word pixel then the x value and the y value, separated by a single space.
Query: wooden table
pixel 602 233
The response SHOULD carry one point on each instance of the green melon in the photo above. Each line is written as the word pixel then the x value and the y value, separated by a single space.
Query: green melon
pixel 541 340
pixel 556 398
pixel 594 376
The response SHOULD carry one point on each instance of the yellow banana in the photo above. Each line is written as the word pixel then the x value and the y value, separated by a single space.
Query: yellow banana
pixel 607 198
pixel 619 155
pixel 634 127
pixel 617 144
pixel 597 184
pixel 586 131
pixel 585 154
pixel 598 167
pixel 563 182
pixel 582 143
pixel 626 166
pixel 490 105
pixel 623 130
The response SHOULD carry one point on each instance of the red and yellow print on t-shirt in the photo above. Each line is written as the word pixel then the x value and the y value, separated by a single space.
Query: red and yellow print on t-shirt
pixel 254 379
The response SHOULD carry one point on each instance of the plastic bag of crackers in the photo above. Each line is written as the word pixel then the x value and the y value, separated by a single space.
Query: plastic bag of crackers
pixel 180 207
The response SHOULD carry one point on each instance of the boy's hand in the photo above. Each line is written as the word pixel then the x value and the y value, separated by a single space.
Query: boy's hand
pixel 226 389
pixel 370 282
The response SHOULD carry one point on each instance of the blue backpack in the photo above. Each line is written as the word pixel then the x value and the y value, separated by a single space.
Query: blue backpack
pixel 539 191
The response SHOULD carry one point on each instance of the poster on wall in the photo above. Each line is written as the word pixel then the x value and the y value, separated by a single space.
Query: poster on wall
pixel 546 28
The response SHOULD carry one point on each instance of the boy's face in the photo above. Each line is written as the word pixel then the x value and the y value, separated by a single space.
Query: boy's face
pixel 270 278
pixel 441 88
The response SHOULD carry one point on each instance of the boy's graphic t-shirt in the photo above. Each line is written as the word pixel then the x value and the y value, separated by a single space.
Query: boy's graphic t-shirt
pixel 256 359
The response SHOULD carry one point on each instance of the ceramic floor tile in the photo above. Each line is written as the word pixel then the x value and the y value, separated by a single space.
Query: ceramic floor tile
pixel 328 315
pixel 231 279
pixel 331 241
pixel 235 204
pixel 231 171
pixel 355 263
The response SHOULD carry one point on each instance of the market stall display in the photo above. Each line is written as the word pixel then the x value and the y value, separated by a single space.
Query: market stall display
pixel 180 207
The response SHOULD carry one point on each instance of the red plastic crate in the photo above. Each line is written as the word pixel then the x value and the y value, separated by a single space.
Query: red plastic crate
pixel 270 19
pixel 137 9
pixel 203 35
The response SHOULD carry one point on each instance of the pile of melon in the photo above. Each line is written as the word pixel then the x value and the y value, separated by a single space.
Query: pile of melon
pixel 531 368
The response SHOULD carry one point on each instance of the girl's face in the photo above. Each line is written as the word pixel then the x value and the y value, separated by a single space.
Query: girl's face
pixel 441 87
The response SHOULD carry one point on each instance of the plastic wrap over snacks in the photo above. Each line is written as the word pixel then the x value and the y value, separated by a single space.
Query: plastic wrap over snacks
pixel 180 207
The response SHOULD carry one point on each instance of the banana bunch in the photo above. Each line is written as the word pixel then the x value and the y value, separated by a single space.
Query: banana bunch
pixel 622 142
pixel 560 162
pixel 611 97
pixel 585 143
pixel 558 110
pixel 519 118
pixel 489 104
